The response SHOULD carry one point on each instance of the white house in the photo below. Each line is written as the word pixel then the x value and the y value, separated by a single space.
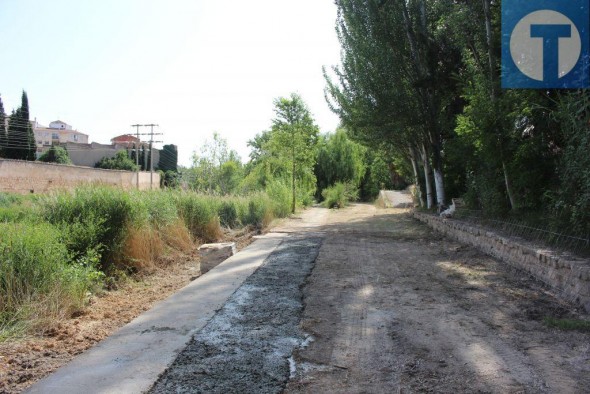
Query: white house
pixel 57 133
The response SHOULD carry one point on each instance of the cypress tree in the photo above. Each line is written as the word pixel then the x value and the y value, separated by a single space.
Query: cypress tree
pixel 12 142
pixel 168 158
pixel 20 137
pixel 31 148
pixel 3 135
pixel 142 161
pixel 133 153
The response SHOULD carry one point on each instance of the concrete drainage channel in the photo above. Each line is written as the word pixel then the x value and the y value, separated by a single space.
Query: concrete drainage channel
pixel 247 346
pixel 238 340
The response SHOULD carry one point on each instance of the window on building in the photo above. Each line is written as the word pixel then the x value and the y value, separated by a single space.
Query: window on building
pixel 55 136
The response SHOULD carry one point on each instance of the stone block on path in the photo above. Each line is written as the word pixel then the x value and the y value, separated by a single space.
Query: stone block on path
pixel 213 254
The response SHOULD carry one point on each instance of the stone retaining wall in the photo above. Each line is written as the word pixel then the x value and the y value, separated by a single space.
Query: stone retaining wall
pixel 569 276
pixel 26 177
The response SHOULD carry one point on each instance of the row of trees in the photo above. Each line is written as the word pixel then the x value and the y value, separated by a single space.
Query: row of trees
pixel 290 157
pixel 420 81
pixel 17 140
pixel 284 154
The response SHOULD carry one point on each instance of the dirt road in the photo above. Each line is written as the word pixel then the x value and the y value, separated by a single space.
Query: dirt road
pixel 368 300
pixel 393 307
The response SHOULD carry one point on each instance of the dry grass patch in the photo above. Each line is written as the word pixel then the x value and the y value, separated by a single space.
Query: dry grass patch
pixel 142 248
pixel 177 236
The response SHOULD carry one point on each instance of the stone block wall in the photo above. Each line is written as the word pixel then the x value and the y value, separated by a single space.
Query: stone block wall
pixel 568 275
pixel 26 177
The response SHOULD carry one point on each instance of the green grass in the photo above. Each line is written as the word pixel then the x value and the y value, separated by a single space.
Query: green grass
pixel 568 324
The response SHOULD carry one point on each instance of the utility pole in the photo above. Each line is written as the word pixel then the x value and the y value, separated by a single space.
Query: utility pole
pixel 137 126
pixel 151 134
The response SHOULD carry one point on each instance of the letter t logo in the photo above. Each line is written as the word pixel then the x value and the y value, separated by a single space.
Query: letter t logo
pixel 551 35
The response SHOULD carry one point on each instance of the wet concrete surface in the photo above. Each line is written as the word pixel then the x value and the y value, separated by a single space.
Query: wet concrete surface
pixel 247 345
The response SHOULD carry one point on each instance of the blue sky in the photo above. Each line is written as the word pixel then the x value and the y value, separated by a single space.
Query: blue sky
pixel 191 66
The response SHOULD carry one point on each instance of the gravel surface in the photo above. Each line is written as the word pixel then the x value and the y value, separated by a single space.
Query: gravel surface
pixel 247 345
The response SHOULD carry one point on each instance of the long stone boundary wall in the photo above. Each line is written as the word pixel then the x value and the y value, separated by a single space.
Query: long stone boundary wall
pixel 569 276
pixel 26 177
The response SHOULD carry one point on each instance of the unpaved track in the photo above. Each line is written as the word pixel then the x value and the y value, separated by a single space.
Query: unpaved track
pixel 393 307
pixel 368 300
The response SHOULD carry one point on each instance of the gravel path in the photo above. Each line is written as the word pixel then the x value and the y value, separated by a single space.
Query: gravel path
pixel 246 347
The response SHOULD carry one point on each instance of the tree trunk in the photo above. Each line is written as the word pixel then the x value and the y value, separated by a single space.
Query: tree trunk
pixel 427 172
pixel 494 94
pixel 491 55
pixel 440 188
pixel 508 186
pixel 438 177
pixel 293 180
pixel 414 161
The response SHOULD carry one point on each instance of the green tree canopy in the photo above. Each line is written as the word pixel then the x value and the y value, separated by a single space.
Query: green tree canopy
pixel 294 138
pixel 121 161
pixel 56 154
pixel 339 160
pixel 216 169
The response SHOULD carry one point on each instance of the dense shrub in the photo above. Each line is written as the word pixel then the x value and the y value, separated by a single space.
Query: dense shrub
pixel 257 211
pixel 339 195
pixel 56 154
pixel 121 161
pixel 280 198
pixel 100 214
pixel 37 276
pixel 228 213
pixel 199 213
pixel 571 199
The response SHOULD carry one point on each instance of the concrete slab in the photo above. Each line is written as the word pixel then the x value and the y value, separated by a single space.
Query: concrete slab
pixel 214 254
pixel 131 360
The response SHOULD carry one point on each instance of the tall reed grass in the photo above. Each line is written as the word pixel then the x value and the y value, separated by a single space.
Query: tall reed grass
pixel 37 278
pixel 56 249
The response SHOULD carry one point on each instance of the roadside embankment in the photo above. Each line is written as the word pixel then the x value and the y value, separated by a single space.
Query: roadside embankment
pixel 568 275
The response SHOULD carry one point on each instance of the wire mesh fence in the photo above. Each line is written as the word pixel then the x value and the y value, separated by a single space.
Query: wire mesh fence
pixel 561 241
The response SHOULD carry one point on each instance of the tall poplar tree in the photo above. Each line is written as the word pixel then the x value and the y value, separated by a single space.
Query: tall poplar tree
pixel 396 81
